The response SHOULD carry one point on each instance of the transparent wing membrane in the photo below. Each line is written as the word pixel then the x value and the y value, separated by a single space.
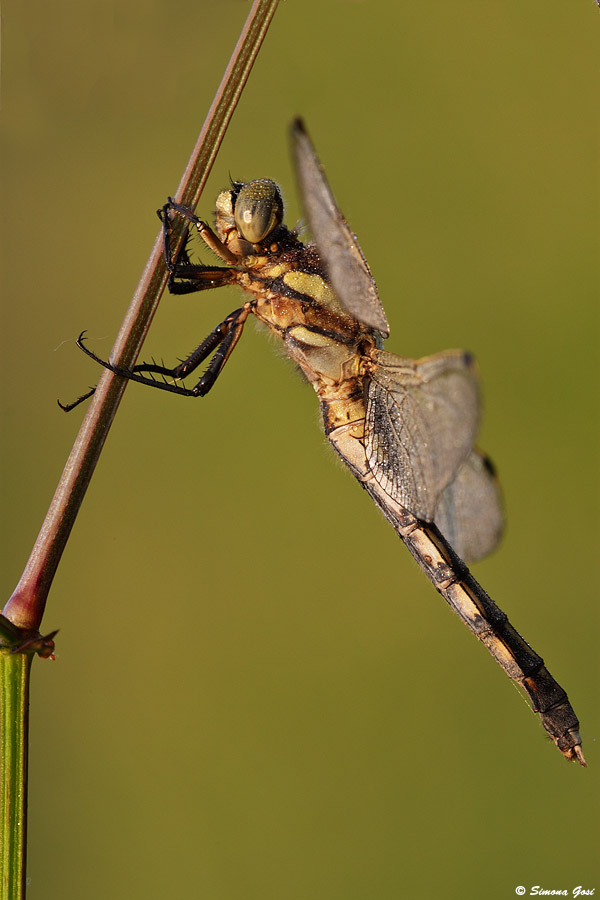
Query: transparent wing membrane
pixel 469 512
pixel 338 248
pixel 421 422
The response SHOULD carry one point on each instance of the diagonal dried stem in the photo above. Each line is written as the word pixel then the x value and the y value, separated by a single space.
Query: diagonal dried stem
pixel 26 606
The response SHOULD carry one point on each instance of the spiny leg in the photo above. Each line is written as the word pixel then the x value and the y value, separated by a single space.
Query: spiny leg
pixel 67 407
pixel 222 340
pixel 193 278
pixel 205 231
pixel 226 334
pixel 184 276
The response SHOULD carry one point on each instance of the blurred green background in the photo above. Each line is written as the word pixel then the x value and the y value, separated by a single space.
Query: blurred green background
pixel 257 694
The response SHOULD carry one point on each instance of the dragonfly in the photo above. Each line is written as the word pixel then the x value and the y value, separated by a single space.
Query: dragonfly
pixel 405 428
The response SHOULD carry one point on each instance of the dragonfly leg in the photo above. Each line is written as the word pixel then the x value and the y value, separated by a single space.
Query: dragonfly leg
pixel 222 340
pixel 205 231
pixel 199 278
pixel 185 277
pixel 67 407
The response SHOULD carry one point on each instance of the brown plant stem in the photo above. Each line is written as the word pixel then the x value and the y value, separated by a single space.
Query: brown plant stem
pixel 26 606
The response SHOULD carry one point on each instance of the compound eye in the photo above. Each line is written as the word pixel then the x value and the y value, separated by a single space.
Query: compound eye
pixel 258 209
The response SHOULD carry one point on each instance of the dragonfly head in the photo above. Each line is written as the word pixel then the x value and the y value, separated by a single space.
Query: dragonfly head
pixel 255 209
pixel 258 209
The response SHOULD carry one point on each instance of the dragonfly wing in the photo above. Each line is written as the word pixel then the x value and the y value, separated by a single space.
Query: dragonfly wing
pixel 347 269
pixel 469 512
pixel 421 421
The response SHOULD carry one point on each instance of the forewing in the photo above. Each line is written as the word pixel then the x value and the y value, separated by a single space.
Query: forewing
pixel 469 513
pixel 347 269
pixel 421 422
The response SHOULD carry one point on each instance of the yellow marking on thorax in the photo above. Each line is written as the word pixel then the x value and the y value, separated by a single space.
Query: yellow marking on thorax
pixel 310 338
pixel 268 267
pixel 315 286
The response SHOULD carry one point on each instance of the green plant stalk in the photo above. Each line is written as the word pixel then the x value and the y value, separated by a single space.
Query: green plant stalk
pixel 14 702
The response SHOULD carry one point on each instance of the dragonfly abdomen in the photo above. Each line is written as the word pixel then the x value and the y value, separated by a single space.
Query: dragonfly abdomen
pixel 453 580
